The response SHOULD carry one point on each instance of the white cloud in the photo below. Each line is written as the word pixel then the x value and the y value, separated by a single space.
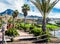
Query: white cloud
pixel 54 15
pixel 51 15
pixel 34 13
pixel 10 1
pixel 2 7
pixel 16 4
pixel 57 5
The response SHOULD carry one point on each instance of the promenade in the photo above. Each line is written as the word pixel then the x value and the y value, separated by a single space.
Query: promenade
pixel 23 38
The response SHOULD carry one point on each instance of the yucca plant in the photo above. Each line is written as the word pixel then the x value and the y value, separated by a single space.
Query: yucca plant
pixel 44 6
pixel 15 14
pixel 12 32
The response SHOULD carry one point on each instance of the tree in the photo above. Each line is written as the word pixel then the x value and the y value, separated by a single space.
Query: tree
pixel 25 8
pixel 44 6
pixel 15 14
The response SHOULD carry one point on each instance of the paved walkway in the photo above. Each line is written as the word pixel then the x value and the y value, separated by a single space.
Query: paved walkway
pixel 23 35
pixel 54 40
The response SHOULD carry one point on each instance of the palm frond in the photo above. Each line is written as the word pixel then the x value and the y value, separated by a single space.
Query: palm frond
pixel 15 13
pixel 48 1
pixel 52 5
pixel 37 5
pixel 47 5
pixel 38 1
pixel 26 7
pixel 43 5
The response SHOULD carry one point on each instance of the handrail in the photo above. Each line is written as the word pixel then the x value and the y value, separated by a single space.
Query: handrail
pixel 41 36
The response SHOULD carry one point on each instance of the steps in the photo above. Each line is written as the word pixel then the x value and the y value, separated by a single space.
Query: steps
pixel 6 38
pixel 25 37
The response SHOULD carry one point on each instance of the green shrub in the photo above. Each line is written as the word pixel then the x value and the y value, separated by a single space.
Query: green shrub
pixel 11 32
pixel 17 26
pixel 0 25
pixel 48 34
pixel 22 25
pixel 31 27
pixel 36 31
pixel 27 25
pixel 10 21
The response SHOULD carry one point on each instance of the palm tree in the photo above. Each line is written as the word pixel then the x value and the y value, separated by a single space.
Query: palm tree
pixel 44 6
pixel 25 9
pixel 15 14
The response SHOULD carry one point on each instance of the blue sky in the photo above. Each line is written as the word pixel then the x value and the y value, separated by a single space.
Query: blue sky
pixel 16 4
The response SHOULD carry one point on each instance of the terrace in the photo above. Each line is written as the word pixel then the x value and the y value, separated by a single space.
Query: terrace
pixel 29 29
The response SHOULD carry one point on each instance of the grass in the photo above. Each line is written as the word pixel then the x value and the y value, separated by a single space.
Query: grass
pixel 31 26
pixel 51 26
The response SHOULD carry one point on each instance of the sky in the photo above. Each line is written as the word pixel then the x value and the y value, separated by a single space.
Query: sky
pixel 17 4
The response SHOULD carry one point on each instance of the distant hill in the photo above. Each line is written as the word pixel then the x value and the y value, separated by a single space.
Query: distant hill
pixel 10 11
pixel 33 17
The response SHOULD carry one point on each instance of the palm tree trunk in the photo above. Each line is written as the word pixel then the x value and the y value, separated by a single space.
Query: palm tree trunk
pixel 13 23
pixel 24 19
pixel 44 27
pixel 24 23
pixel 44 23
